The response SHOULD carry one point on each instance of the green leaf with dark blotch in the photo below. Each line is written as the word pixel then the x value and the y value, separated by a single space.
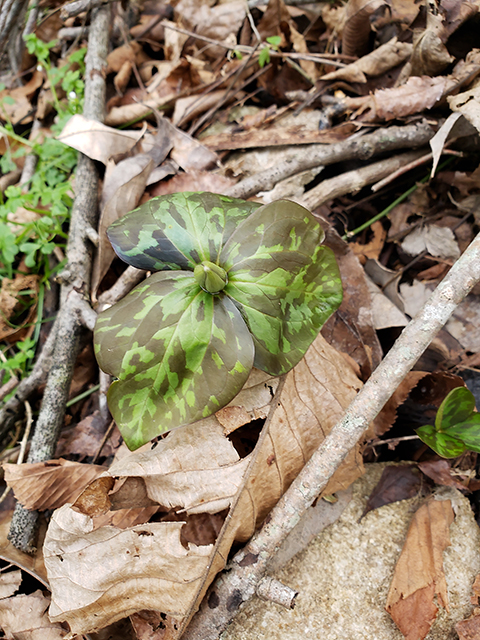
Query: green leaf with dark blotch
pixel 179 354
pixel 467 431
pixel 443 444
pixel 457 407
pixel 284 282
pixel 177 231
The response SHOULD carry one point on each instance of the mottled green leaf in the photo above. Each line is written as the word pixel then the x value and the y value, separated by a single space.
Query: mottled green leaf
pixel 284 282
pixel 457 407
pixel 179 354
pixel 467 431
pixel 443 444
pixel 177 231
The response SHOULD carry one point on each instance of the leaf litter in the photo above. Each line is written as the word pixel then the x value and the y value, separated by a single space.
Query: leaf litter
pixel 198 63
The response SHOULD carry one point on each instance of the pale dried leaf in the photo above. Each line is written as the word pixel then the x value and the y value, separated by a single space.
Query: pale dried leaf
pixel 49 485
pixel 417 94
pixel 385 313
pixel 193 181
pixel 440 242
pixel 25 618
pixel 9 583
pixel 31 564
pixel 191 154
pixel 96 140
pixel 21 108
pixel 438 141
pixel 373 64
pixel 197 469
pixel 468 104
pixel 419 574
pixel 10 292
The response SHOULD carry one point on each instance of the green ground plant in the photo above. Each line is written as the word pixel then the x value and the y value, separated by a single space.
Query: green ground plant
pixel 237 285
pixel 457 426
pixel 27 241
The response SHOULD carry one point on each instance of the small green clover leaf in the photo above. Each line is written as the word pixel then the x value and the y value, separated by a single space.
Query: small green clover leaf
pixel 239 285
pixel 457 425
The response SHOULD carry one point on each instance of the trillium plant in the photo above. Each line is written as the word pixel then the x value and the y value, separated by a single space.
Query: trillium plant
pixel 236 285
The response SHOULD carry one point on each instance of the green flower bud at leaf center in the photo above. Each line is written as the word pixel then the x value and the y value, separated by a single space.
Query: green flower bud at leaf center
pixel 210 277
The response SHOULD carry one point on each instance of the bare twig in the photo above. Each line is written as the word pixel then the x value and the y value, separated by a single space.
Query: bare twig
pixel 248 567
pixel 77 279
pixel 353 181
pixel 360 148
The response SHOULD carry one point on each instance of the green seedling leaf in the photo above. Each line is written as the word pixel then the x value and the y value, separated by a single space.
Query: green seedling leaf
pixel 443 444
pixel 274 41
pixel 179 354
pixel 457 425
pixel 283 281
pixel 457 407
pixel 252 284
pixel 264 57
pixel 177 231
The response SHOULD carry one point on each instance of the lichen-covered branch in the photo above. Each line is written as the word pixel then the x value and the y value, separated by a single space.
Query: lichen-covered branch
pixel 315 155
pixel 76 278
pixel 249 565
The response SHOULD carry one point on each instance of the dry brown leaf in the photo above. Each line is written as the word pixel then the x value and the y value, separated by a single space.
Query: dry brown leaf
pixel 417 94
pixel 10 303
pixel 49 485
pixel 438 241
pixel 190 107
pixel 197 471
pixel 373 64
pixel 21 108
pixel 25 618
pixel 84 438
pixel 351 330
pixel 440 472
pixel 277 136
pixel 123 186
pixel 356 33
pixel 96 140
pixel 193 181
pixel 191 154
pixel 9 583
pixel 468 104
pixel 430 56
pixel 419 572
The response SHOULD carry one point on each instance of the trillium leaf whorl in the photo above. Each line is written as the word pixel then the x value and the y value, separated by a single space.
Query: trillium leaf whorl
pixel 251 285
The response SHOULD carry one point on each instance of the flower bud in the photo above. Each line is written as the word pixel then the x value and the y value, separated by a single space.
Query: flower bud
pixel 210 277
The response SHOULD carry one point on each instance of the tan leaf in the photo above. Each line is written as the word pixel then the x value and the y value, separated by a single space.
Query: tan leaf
pixel 419 574
pixel 96 140
pixel 49 485
pixel 25 618
pixel 438 241
pixel 373 64
pixel 10 300
pixel 9 583
pixel 21 108
pixel 198 472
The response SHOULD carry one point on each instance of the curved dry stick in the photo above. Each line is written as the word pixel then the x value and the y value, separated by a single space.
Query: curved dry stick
pixel 76 277
pixel 248 567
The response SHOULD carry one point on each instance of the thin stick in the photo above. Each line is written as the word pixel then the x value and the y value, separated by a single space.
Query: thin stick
pixel 76 278
pixel 250 564
pixel 243 48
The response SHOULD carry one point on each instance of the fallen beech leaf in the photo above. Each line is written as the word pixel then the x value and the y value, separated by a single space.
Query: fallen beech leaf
pixel 25 618
pixel 388 414
pixel 419 572
pixel 197 471
pixel 395 484
pixel 373 64
pixel 430 56
pixel 9 583
pixel 96 140
pixel 49 485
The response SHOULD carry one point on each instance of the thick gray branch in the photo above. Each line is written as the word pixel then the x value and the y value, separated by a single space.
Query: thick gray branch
pixel 76 278
pixel 239 584
pixel 315 155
